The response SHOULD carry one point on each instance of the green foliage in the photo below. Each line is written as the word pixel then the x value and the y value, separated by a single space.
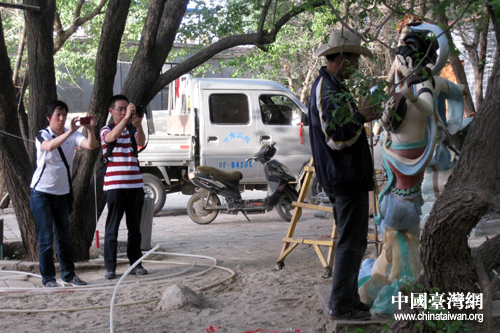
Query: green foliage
pixel 495 5
pixel 441 8
pixel 288 60
pixel 291 56
pixel 13 21
pixel 208 21
pixel 77 58
pixel 387 326
pixel 358 90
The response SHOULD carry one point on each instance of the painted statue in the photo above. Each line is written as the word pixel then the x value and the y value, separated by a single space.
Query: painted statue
pixel 416 125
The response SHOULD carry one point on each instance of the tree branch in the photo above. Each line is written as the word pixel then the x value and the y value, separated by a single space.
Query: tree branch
pixel 169 24
pixel 224 44
pixel 488 253
pixel 288 16
pixel 488 288
pixel 19 56
pixel 63 36
pixel 58 26
pixel 260 29
pixel 19 6
pixel 78 10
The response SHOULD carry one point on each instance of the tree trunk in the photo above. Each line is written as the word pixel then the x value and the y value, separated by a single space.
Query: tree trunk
pixel 452 218
pixel 470 191
pixel 456 64
pixel 478 57
pixel 83 217
pixel 162 22
pixel 39 29
pixel 289 78
pixel 306 85
pixel 13 157
pixel 479 71
pixel 458 70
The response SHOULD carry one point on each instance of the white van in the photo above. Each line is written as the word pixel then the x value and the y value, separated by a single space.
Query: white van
pixel 221 123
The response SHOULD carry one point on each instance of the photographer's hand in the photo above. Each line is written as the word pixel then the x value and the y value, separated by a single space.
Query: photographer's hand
pixel 141 136
pixel 91 142
pixel 136 121
pixel 73 126
pixel 91 125
pixel 130 111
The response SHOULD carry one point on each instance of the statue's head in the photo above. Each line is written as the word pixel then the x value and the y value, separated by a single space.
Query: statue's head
pixel 412 50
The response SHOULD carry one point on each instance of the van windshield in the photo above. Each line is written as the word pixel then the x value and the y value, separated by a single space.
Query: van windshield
pixel 279 110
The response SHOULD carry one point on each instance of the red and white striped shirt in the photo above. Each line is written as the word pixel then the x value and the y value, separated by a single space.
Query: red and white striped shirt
pixel 122 171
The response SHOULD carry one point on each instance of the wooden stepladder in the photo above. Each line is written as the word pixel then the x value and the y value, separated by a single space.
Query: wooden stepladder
pixel 290 243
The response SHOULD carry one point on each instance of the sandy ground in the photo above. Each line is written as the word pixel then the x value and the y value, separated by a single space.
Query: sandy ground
pixel 257 297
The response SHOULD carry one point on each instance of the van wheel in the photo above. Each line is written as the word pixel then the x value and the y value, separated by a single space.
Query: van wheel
pixel 154 187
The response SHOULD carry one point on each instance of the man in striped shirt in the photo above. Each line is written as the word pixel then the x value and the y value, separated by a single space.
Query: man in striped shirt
pixel 123 182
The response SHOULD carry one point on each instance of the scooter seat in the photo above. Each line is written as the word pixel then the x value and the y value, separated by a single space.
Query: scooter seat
pixel 225 176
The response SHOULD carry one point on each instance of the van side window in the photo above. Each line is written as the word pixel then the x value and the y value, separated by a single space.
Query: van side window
pixel 229 109
pixel 279 110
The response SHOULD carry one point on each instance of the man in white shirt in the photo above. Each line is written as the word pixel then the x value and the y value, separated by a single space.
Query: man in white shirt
pixel 51 190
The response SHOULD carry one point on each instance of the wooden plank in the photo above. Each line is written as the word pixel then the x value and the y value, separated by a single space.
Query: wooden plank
pixel 308 241
pixel 297 212
pixel 285 253
pixel 331 250
pixel 310 206
pixel 320 255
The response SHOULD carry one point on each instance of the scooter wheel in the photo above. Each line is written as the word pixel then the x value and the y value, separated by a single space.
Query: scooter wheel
pixel 284 206
pixel 198 208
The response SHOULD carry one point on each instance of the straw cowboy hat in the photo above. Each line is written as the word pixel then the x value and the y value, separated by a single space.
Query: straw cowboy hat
pixel 343 41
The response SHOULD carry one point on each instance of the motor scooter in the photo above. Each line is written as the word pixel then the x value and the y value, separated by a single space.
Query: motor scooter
pixel 204 206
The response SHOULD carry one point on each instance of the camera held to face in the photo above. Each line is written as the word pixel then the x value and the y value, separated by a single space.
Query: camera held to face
pixel 140 110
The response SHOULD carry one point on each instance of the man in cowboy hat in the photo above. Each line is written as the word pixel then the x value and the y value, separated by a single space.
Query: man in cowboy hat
pixel 343 166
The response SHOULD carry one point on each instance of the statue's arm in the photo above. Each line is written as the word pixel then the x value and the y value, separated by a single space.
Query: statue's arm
pixel 424 100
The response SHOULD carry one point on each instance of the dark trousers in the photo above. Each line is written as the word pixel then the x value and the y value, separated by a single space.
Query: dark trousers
pixel 51 213
pixel 351 218
pixel 130 202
